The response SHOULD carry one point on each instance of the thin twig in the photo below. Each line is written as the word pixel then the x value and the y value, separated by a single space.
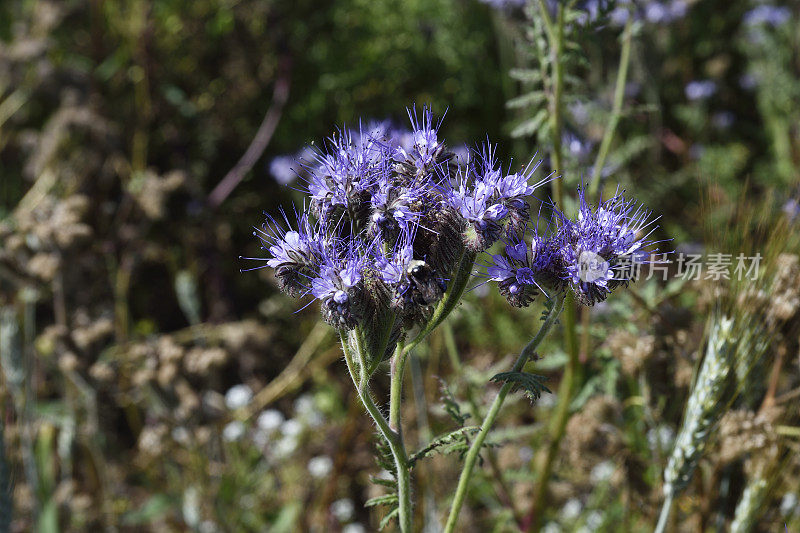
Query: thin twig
pixel 280 94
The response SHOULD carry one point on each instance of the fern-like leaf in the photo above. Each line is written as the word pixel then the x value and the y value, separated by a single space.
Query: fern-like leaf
pixel 386 499
pixel 451 405
pixel 454 442
pixel 531 384
pixel 388 518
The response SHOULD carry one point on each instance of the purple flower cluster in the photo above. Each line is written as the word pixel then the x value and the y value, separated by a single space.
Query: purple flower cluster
pixel 395 218
pixel 491 201
pixel 590 256
pixel 767 15
pixel 650 11
pixel 392 215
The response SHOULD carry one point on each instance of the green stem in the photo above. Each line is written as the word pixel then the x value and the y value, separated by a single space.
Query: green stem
pixel 398 366
pixel 503 491
pixel 602 154
pixel 571 372
pixel 616 110
pixel 548 22
pixel 393 438
pixel 544 460
pixel 556 115
pixel 494 410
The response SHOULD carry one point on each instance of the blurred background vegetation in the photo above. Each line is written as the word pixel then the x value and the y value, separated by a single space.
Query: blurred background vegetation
pixel 148 385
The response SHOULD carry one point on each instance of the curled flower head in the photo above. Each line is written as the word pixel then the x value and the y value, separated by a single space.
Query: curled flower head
pixel 341 178
pixel 525 270
pixel 490 200
pixel 295 254
pixel 591 256
pixel 604 247
pixel 339 289
pixel 414 283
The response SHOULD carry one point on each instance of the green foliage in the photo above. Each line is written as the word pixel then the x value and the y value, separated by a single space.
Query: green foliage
pixel 386 462
pixel 532 385
pixel 451 406
pixel 124 318
pixel 456 441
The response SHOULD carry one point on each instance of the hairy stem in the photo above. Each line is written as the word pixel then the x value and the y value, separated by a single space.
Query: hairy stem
pixel 494 410
pixel 571 373
pixel 393 437
pixel 557 104
pixel 398 365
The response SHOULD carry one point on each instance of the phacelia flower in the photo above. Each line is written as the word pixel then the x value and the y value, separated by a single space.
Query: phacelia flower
pixel 426 152
pixel 414 283
pixel 395 218
pixel 525 269
pixel 338 288
pixel 700 89
pixel 295 254
pixel 491 200
pixel 394 207
pixel 767 15
pixel 379 242
pixel 605 247
pixel 590 256
pixel 340 179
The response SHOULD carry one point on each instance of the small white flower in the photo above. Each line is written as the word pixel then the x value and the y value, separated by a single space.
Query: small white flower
pixel 602 472
pixel 320 466
pixel 551 527
pixel 233 431
pixel 306 410
pixel 304 404
pixel 355 527
pixel 238 396
pixel 343 509
pixel 270 420
pixel 291 428
pixel 261 438
pixel 285 447
pixel 661 437
pixel 789 504
pixel 572 509
pixel 594 520
pixel 181 435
